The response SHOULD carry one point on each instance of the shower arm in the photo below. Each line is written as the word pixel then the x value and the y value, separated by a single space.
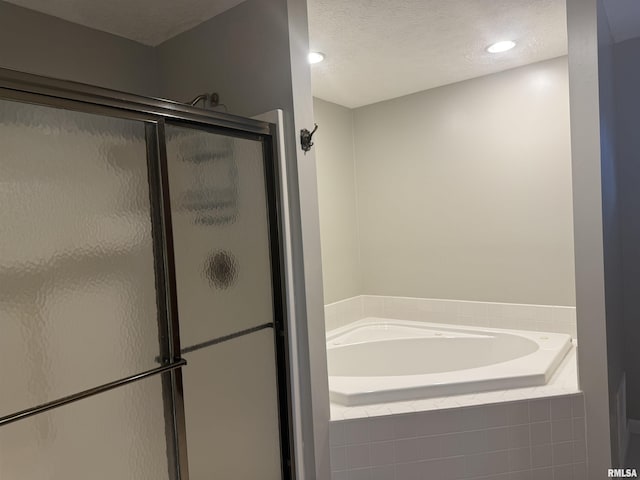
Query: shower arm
pixel 212 98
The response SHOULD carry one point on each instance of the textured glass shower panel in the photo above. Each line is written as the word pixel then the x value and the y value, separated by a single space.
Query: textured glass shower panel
pixel 116 435
pixel 231 408
pixel 77 288
pixel 221 236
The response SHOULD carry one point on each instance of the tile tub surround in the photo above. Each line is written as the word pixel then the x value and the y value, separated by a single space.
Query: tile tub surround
pixel 541 318
pixel 537 439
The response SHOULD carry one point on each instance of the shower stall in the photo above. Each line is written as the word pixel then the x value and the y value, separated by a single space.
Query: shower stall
pixel 143 329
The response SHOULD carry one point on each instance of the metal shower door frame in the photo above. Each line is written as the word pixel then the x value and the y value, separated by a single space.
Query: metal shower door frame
pixel 154 113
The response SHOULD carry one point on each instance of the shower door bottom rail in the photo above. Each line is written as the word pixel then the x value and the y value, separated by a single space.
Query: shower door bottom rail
pixel 29 412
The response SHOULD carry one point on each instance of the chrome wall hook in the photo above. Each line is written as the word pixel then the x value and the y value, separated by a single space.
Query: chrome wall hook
pixel 305 138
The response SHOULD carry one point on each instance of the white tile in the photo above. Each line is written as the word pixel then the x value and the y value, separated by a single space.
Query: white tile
pixel 541 456
pixel 467 320
pixel 578 429
pixel 378 410
pixel 452 468
pixel 392 307
pixel 540 433
pixel 330 319
pixel 452 444
pixel 519 436
pixel 579 471
pixel 339 475
pixel 518 413
pixel 497 439
pixel 406 426
pixel 577 406
pixel 542 474
pixel 382 453
pixel 564 314
pixel 414 309
pixel 359 474
pixel 386 472
pixel 430 447
pixel 424 405
pixel 496 415
pixel 354 413
pixel 358 456
pixel 560 408
pixel 523 475
pixel 468 400
pixel 516 312
pixel 539 410
pixel 475 441
pixel 474 418
pixel 442 421
pixel 561 431
pixel 407 450
pixel 542 313
pixel 564 472
pixel 474 309
pixel 562 453
pixel 381 428
pixel 495 310
pixel 336 434
pixel 372 306
pixel 409 471
pixel 579 452
pixel 398 408
pixel 353 310
pixel 477 465
pixel 330 309
pixel 487 463
pixel 356 431
pixel 519 459
pixel 338 457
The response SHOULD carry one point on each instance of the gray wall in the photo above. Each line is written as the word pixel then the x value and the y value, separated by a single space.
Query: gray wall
pixel 611 232
pixel 463 192
pixel 337 201
pixel 238 54
pixel 582 21
pixel 36 43
pixel 627 79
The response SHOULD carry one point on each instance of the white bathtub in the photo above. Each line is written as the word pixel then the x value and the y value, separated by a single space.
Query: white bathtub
pixel 379 360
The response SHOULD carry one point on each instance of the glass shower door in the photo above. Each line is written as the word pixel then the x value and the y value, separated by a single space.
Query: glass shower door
pixel 142 328
pixel 77 297
pixel 221 236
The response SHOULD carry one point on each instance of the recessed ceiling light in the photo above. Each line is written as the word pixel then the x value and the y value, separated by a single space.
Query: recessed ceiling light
pixel 315 57
pixel 502 46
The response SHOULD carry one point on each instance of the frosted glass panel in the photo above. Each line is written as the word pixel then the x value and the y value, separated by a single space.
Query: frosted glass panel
pixel 221 236
pixel 231 410
pixel 77 288
pixel 116 435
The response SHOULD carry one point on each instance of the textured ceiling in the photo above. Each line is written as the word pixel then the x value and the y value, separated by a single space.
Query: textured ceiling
pixel 381 49
pixel 624 19
pixel 146 21
pixel 376 49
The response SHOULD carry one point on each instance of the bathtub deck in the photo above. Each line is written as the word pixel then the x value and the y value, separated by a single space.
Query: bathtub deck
pixel 563 382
